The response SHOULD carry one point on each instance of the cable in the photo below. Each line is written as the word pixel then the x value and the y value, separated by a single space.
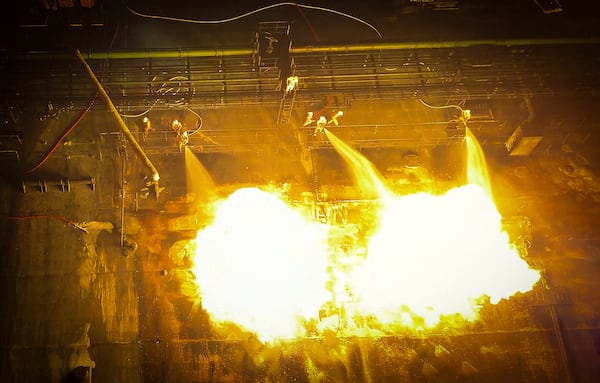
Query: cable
pixel 78 120
pixel 162 91
pixel 199 121
pixel 141 113
pixel 60 140
pixel 465 114
pixel 235 18
pixel 441 107
pixel 310 26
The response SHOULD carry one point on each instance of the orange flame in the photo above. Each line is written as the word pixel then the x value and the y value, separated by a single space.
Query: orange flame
pixel 438 255
pixel 477 171
pixel 272 270
pixel 262 265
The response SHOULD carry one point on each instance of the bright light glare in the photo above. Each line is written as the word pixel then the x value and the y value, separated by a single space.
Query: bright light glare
pixel 437 255
pixel 262 265
pixel 268 268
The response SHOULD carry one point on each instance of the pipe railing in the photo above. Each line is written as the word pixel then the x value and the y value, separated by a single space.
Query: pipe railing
pixel 308 49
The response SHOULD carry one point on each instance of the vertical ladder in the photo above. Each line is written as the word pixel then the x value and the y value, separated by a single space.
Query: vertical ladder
pixel 286 105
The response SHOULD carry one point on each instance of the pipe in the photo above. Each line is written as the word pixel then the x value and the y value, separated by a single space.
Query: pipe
pixel 377 46
pixel 162 54
pixel 145 54
pixel 122 156
pixel 122 125
pixel 442 45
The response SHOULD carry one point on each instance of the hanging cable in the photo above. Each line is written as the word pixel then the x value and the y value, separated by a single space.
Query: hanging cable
pixel 198 124
pixel 60 140
pixel 451 106
pixel 310 26
pixel 235 18
pixel 465 114
pixel 77 121
pixel 163 91
pixel 141 113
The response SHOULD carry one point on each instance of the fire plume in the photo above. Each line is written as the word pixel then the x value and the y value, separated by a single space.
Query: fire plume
pixel 437 256
pixel 272 269
pixel 262 265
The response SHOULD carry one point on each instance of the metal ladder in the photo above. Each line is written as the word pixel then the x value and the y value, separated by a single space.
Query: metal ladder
pixel 286 105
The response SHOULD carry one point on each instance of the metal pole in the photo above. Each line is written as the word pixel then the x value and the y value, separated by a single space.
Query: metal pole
pixel 122 125
pixel 441 45
pixel 341 48
pixel 165 54
pixel 122 157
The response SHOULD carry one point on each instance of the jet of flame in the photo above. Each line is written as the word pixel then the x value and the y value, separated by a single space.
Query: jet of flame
pixel 366 176
pixel 267 267
pixel 477 171
pixel 435 256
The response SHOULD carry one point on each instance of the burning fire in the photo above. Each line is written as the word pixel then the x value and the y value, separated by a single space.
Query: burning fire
pixel 272 269
pixel 262 265
pixel 437 256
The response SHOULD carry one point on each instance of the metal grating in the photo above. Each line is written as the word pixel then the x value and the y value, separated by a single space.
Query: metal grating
pixel 136 83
